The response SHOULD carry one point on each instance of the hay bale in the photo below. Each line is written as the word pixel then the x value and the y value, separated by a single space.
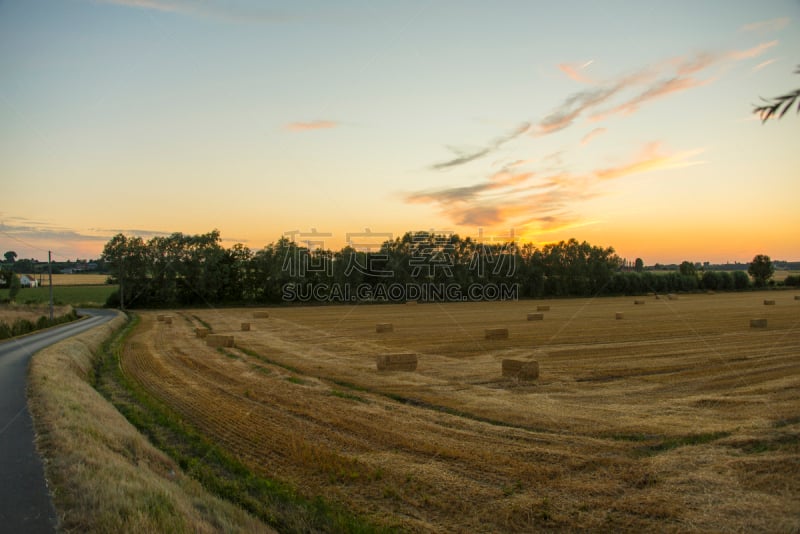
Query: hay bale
pixel 769 302
pixel 758 323
pixel 619 315
pixel 167 319
pixel 496 333
pixel 797 297
pixel 160 317
pixel 543 307
pixel 535 316
pixel 521 369
pixel 260 315
pixel 219 340
pixel 658 298
pixel 638 302
pixel 202 332
pixel 672 296
pixel 396 362
pixel 384 327
pixel 245 327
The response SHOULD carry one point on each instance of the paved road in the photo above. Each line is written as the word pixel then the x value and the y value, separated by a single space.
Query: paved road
pixel 25 503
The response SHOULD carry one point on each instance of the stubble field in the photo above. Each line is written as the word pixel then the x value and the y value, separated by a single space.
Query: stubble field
pixel 678 416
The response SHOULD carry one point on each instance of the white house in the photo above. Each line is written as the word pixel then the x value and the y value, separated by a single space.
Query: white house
pixel 26 280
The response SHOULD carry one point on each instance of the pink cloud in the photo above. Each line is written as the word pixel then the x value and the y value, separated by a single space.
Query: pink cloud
pixel 650 158
pixel 766 25
pixel 591 135
pixel 752 52
pixel 763 64
pixel 574 71
pixel 312 125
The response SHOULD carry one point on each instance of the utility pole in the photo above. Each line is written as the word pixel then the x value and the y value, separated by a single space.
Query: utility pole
pixel 122 283
pixel 50 272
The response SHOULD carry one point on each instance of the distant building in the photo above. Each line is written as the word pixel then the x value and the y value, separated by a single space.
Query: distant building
pixel 26 280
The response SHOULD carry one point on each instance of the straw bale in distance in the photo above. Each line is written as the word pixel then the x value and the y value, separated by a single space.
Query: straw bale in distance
pixel 619 315
pixel 543 307
pixel 167 319
pixel 638 302
pixel 202 332
pixel 797 297
pixel 758 323
pixel 769 302
pixel 384 327
pixel 160 317
pixel 521 369
pixel 535 316
pixel 496 333
pixel 396 362
pixel 672 296
pixel 219 340
pixel 261 315
pixel 245 327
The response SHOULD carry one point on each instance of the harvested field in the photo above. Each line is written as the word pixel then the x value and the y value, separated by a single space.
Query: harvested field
pixel 11 312
pixel 679 418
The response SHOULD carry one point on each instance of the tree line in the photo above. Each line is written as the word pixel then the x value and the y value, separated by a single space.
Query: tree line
pixel 190 270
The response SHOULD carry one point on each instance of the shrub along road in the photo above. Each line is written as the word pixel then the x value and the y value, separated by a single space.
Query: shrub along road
pixel 25 502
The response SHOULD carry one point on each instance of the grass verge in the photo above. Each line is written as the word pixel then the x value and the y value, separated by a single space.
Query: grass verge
pixel 104 475
pixel 274 502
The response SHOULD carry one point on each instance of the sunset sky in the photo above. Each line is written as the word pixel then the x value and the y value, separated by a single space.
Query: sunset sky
pixel 623 123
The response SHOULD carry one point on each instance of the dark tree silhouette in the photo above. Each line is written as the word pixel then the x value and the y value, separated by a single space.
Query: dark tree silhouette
pixel 779 105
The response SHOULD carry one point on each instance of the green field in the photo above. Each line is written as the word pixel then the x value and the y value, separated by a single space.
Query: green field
pixel 76 296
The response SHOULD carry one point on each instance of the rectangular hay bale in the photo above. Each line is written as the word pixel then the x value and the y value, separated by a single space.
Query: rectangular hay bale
pixel 543 307
pixel 496 333
pixel 619 315
pixel 758 323
pixel 219 340
pixel 396 362
pixel 384 327
pixel 638 302
pixel 245 327
pixel 521 369
pixel 769 302
pixel 535 316
pixel 202 332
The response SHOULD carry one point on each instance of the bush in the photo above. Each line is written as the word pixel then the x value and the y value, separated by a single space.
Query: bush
pixel 740 280
pixel 792 281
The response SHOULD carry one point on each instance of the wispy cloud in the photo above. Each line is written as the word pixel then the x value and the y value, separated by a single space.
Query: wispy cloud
pixel 312 125
pixel 771 25
pixel 544 201
pixel 226 11
pixel 763 64
pixel 574 71
pixel 651 158
pixel 752 52
pixel 589 137
pixel 465 156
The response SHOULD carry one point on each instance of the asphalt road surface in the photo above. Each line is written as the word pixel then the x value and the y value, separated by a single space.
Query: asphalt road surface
pixel 25 502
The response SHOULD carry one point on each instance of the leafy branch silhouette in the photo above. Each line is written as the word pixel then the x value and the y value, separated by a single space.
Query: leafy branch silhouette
pixel 779 105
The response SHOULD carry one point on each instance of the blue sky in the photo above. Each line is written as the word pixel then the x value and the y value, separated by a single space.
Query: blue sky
pixel 627 124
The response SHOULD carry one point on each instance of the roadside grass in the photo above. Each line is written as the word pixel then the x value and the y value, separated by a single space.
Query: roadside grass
pixel 273 502
pixel 104 475
pixel 76 296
